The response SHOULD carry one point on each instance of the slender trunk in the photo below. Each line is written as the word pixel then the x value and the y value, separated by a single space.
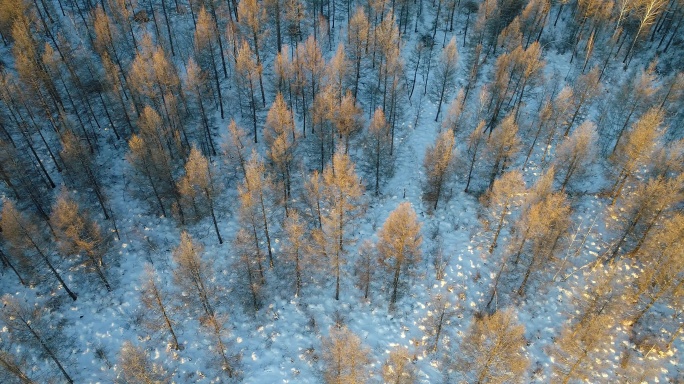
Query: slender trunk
pixel 504 212
pixel 395 281
pixel 47 350
pixel 6 261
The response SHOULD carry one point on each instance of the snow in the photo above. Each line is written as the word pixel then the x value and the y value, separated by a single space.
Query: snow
pixel 281 343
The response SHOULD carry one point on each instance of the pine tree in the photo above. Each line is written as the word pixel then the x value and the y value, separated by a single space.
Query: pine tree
pixel 491 351
pixel 399 242
pixel 345 357
pixel 439 165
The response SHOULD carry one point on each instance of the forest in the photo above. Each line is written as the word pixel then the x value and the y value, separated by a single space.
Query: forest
pixel 341 191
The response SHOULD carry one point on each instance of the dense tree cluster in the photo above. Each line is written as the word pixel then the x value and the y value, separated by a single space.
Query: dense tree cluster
pixel 277 126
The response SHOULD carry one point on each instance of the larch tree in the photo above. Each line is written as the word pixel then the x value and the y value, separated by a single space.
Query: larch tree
pixel 237 149
pixel 155 81
pixel 255 207
pixel 439 165
pixel 398 246
pixel 575 154
pixel 340 202
pixel 492 350
pixel 357 40
pixel 552 115
pixel 639 211
pixel 579 353
pixel 586 89
pixel 13 368
pixel 281 137
pixel 27 326
pixel 365 267
pixel 442 311
pixel 205 51
pixel 502 145
pixel 83 171
pixel 547 223
pixel 637 149
pixel 24 238
pixel 506 193
pixel 199 187
pixel 337 73
pixel 398 368
pixel 604 292
pixel 445 75
pixel 348 119
pixel 196 85
pixel 158 312
pixel 647 11
pixel 475 141
pixel 637 95
pixel 313 196
pixel 296 244
pixel 250 257
pixel 79 236
pixel 378 160
pixel 252 20
pixel 151 157
pixel 454 113
pixel 135 366
pixel 310 66
pixel 345 357
pixel 662 278
pixel 193 275
pixel 247 73
pixel 283 75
